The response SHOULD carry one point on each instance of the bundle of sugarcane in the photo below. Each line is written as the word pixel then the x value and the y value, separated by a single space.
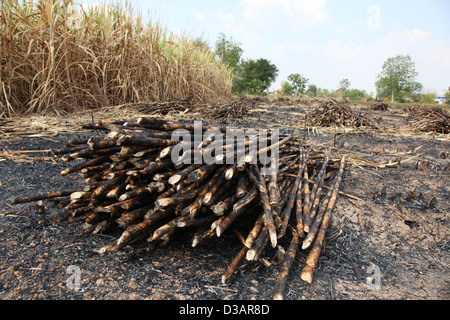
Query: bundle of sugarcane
pixel 429 119
pixel 382 106
pixel 282 101
pixel 137 181
pixel 334 113
pixel 228 110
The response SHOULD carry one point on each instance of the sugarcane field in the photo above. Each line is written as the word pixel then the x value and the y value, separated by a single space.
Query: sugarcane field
pixel 137 163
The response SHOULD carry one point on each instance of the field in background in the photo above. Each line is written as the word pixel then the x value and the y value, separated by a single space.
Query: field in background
pixel 58 57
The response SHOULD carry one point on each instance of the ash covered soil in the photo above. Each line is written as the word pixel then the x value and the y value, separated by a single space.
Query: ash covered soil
pixel 395 225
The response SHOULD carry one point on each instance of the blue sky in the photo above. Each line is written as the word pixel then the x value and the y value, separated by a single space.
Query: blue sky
pixel 324 40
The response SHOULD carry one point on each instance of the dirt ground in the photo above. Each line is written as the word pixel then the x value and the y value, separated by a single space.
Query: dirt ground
pixel 389 237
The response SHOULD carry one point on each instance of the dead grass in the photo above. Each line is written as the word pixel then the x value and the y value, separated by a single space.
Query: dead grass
pixel 56 57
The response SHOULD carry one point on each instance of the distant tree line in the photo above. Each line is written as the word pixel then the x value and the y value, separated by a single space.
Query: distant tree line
pixel 298 85
pixel 397 80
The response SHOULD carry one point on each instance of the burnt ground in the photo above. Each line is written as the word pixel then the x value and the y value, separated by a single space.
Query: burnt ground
pixel 396 223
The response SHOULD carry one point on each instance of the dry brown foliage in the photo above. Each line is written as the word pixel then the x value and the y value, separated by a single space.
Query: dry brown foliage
pixel 58 57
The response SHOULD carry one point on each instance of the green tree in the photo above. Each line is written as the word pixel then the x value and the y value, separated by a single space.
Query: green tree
pixel 447 95
pixel 228 51
pixel 255 76
pixel 298 82
pixel 398 78
pixel 355 94
pixel 200 43
pixel 325 93
pixel 344 84
pixel 312 90
pixel 428 97
pixel 288 90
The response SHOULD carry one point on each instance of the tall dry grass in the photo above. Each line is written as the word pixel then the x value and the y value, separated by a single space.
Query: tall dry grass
pixel 57 57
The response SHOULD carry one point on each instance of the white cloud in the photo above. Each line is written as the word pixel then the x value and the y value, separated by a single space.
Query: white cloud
pixel 223 16
pixel 309 11
pixel 341 28
pixel 416 35
pixel 439 52
pixel 198 15
pixel 261 13
pixel 417 43
pixel 284 50
pixel 362 64
pixel 278 51
pixel 252 43
pixel 300 13
pixel 404 39
pixel 229 23
pixel 252 37
pixel 335 49
pixel 299 47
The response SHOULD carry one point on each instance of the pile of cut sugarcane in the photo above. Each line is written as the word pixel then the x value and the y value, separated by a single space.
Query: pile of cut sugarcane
pixel 232 109
pixel 380 106
pixel 333 113
pixel 133 182
pixel 432 119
